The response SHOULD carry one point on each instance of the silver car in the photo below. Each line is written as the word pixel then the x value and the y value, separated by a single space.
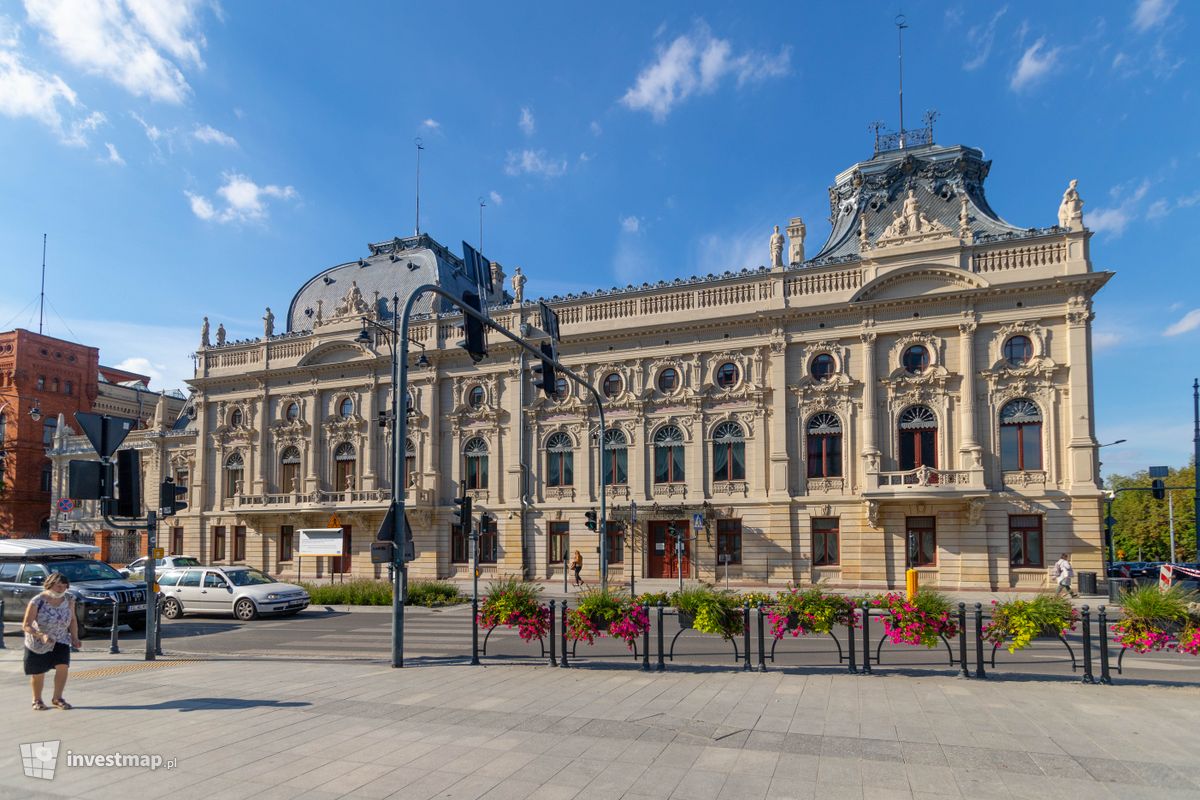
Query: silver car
pixel 136 570
pixel 242 591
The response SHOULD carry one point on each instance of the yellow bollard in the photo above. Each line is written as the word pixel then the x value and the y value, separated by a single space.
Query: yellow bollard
pixel 911 583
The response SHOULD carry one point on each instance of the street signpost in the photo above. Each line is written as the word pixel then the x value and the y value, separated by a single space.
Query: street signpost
pixel 318 543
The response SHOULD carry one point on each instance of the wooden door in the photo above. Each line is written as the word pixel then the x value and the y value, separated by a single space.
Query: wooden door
pixel 341 564
pixel 662 561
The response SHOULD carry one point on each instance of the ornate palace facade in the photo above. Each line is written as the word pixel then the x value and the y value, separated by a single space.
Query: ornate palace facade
pixel 918 393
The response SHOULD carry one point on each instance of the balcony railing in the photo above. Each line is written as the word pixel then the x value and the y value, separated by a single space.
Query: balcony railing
pixel 1024 478
pixel 926 477
pixel 314 498
pixel 826 485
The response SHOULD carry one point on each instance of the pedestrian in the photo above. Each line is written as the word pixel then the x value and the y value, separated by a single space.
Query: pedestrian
pixel 577 566
pixel 1063 572
pixel 51 630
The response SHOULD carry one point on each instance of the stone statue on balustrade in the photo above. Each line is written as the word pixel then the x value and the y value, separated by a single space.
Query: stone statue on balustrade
pixel 776 248
pixel 518 286
pixel 352 304
pixel 220 334
pixel 1070 211
pixel 268 324
pixel 204 341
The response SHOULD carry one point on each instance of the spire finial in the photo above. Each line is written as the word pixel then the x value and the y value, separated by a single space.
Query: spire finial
pixel 901 24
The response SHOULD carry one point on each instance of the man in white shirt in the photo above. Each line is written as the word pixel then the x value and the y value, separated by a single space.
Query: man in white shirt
pixel 1063 573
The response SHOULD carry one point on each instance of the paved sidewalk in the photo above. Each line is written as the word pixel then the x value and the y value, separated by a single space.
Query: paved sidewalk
pixel 283 729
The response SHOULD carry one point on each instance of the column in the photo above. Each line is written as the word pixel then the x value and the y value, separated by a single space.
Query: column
pixel 970 453
pixel 313 415
pixel 775 422
pixel 374 437
pixel 261 460
pixel 1081 449
pixel 870 451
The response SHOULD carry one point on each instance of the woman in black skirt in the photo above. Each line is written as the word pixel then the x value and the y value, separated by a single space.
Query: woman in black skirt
pixel 51 629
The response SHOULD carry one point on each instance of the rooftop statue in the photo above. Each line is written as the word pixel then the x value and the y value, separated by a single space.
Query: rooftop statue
pixel 518 286
pixel 204 342
pixel 352 304
pixel 776 248
pixel 269 324
pixel 911 222
pixel 1070 211
pixel 220 334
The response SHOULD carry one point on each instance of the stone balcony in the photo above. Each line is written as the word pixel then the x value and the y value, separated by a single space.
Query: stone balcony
pixel 320 499
pixel 924 482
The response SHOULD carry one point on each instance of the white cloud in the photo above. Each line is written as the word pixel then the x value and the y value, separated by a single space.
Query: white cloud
pixel 431 124
pixel 1158 209
pixel 122 42
pixel 143 366
pixel 496 198
pixel 630 224
pixel 1151 13
pixel 733 250
pixel 695 63
pixel 980 38
pixel 1189 322
pixel 1110 220
pixel 1104 340
pixel 595 128
pixel 24 92
pixel 10 32
pixel 244 200
pixel 1034 65
pixel 534 162
pixel 210 135
pixel 113 156
pixel 526 123
pixel 153 133
pixel 584 158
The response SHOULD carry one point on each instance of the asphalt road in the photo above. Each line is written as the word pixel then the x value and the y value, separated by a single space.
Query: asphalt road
pixel 444 634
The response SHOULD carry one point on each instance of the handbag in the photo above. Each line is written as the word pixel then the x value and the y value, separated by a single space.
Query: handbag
pixel 34 644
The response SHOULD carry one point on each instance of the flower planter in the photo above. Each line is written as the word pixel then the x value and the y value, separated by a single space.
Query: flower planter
pixel 686 621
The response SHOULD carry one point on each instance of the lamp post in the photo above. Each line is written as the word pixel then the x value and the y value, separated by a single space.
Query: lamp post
pixel 396 508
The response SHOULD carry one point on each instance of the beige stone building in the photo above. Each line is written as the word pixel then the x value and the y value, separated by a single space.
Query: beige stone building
pixel 917 393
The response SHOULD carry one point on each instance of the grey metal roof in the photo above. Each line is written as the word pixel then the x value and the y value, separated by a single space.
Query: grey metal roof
pixel 938 176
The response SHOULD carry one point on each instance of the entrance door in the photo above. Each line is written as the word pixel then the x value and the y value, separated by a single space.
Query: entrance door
pixel 341 564
pixel 662 562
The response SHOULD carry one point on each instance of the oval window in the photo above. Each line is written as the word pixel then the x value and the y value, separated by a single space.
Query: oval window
pixel 916 359
pixel 1018 350
pixel 822 367
pixel 668 380
pixel 293 412
pixel 475 397
pixel 727 375
pixel 612 384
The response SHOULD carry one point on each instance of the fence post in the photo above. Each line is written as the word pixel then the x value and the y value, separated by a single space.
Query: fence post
pixel 1 623
pixel 112 640
pixel 866 609
pixel 646 639
pixel 1087 645
pixel 746 637
pixel 553 654
pixel 851 648
pixel 662 665
pixel 158 626
pixel 962 640
pixel 1105 677
pixel 563 661
pixel 474 631
pixel 980 672
pixel 762 650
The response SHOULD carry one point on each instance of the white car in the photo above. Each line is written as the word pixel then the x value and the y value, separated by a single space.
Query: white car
pixel 136 569
pixel 242 591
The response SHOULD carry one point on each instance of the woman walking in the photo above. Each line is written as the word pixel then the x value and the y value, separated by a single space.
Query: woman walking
pixel 51 630
pixel 577 566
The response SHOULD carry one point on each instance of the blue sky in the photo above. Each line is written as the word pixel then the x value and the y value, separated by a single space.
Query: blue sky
pixel 190 158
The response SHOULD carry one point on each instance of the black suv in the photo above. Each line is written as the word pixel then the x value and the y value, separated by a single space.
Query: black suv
pixel 94 584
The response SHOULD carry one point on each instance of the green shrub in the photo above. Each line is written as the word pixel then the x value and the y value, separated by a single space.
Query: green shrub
pixel 362 592
pixel 1150 604
pixel 433 593
pixel 712 610
pixel 653 598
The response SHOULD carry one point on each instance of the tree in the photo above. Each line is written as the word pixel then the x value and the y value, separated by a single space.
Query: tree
pixel 1142 529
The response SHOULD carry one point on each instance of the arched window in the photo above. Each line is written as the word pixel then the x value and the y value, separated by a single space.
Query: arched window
pixel 475 456
pixel 915 359
pixel 824 446
pixel 1020 436
pixel 234 469
pixel 917 437
pixel 344 462
pixel 668 380
pixel 668 455
pixel 410 462
pixel 822 367
pixel 612 384
pixel 346 408
pixel 727 375
pixel 289 470
pixel 1018 350
pixel 3 427
pixel 729 452
pixel 475 397
pixel 292 413
pixel 560 461
pixel 616 458
pixel 235 418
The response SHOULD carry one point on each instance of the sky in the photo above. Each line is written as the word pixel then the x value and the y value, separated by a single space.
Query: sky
pixel 188 158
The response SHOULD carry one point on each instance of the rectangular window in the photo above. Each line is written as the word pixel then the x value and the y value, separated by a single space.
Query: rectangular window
pixel 176 541
pixel 218 543
pixel 49 427
pixel 616 543
pixel 47 477
pixel 1025 540
pixel 616 466
pixel 41 382
pixel 181 479
pixel 729 541
pixel 287 539
pixel 239 543
pixel 460 552
pixel 826 542
pixel 922 541
pixel 558 538
pixel 488 542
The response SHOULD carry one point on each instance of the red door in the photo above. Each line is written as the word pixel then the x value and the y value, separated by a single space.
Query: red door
pixel 341 564
pixel 663 562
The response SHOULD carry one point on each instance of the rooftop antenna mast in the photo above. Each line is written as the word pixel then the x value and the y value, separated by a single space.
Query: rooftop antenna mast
pixel 901 24
pixel 482 205
pixel 42 302
pixel 420 147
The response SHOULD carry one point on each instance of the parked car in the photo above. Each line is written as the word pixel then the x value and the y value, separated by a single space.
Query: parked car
pixel 242 591
pixel 137 568
pixel 25 563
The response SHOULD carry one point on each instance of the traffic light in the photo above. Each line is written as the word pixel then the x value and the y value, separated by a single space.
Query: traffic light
pixel 475 338
pixel 1158 488
pixel 129 483
pixel 671 531
pixel 545 377
pixel 168 498
pixel 462 514
pixel 591 520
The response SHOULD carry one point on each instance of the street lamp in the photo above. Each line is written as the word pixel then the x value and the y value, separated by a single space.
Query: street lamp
pixel 35 413
pixel 400 566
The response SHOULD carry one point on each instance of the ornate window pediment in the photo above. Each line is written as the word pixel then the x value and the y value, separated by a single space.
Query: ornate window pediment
pixel 476 397
pixel 916 359
pixel 1011 338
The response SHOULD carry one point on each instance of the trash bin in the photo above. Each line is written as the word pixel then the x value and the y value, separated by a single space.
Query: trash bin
pixel 1116 586
pixel 1087 583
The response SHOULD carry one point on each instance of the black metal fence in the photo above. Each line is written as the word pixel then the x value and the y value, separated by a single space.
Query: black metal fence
pixel 124 546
